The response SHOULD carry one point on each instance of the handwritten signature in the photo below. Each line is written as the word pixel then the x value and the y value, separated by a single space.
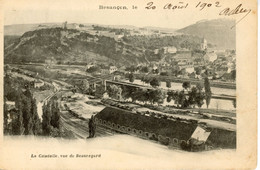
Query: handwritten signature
pixel 237 10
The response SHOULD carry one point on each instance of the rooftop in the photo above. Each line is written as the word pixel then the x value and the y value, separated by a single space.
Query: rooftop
pixel 164 127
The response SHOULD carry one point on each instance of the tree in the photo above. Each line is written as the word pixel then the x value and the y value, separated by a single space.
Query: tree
pixel 207 91
pixel 100 90
pixel 176 69
pixel 5 116
pixel 192 96
pixel 139 94
pixel 93 69
pixel 55 117
pixel 143 79
pixel 35 118
pixel 196 96
pixel 92 127
pixel 180 98
pixel 155 82
pixel 31 119
pixel 28 93
pixel 233 74
pixel 84 86
pixel 119 94
pixel 168 99
pixel 115 92
pixel 46 119
pixel 157 96
pixel 146 79
pixel 145 69
pixel 27 116
pixel 132 68
pixel 142 95
pixel 164 74
pixel 198 70
pixel 186 85
pixel 156 71
pixel 168 84
pixel 127 92
pixel 51 118
pixel 235 103
pixel 182 71
pixel 161 95
pixel 131 78
pixel 91 90
pixel 199 87
pixel 171 96
pixel 18 124
pixel 199 99
pixel 192 75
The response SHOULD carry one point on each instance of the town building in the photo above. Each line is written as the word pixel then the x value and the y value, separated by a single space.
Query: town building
pixel 106 34
pixel 105 71
pixel 156 51
pixel 144 31
pixel 50 61
pixel 109 70
pixel 38 83
pixel 92 64
pixel 184 59
pixel 10 105
pixel 112 69
pixel 170 50
pixel 118 37
pixel 210 57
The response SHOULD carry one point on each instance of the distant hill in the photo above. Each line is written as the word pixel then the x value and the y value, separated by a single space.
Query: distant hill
pixel 170 30
pixel 20 29
pixel 217 32
pixel 75 46
pixel 63 45
pixel 129 27
pixel 70 46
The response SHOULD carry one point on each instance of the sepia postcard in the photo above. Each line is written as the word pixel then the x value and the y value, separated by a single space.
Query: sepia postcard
pixel 128 84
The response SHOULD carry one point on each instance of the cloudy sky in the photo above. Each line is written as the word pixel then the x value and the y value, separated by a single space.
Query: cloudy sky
pixel 86 11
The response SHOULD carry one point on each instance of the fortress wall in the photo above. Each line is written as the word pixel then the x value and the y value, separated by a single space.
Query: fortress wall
pixel 219 138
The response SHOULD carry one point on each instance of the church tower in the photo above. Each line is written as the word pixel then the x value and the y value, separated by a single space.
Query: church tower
pixel 203 45
pixel 65 25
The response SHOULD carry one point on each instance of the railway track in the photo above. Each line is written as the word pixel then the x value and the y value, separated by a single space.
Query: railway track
pixel 79 127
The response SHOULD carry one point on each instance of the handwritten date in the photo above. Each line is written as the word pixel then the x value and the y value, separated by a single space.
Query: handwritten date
pixel 203 5
pixel 225 11
pixel 182 5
